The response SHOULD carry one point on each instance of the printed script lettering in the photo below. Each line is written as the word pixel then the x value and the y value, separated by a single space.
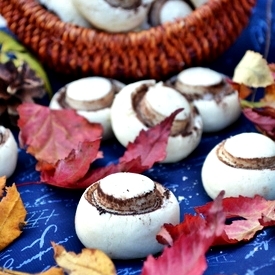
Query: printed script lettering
pixel 32 251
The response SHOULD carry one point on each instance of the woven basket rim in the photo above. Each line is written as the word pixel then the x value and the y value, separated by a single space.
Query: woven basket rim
pixel 153 53
pixel 40 14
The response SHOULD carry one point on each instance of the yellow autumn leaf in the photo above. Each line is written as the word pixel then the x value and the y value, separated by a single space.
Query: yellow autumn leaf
pixel 12 215
pixel 88 262
pixel 51 271
pixel 253 71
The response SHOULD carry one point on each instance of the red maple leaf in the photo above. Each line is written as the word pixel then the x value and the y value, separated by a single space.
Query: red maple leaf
pixel 51 135
pixel 65 145
pixel 64 173
pixel 170 233
pixel 263 118
pixel 246 216
pixel 187 254
pixel 148 148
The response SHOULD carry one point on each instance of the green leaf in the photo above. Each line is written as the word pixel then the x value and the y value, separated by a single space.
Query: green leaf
pixel 10 46
pixel 251 104
pixel 3 57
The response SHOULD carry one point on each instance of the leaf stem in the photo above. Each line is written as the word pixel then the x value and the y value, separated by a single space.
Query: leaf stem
pixel 268 30
pixel 253 95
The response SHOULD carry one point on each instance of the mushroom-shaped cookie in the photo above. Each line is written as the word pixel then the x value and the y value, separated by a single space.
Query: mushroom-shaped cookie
pixel 114 15
pixel 241 165
pixel 144 104
pixel 92 97
pixel 66 11
pixel 216 100
pixel 163 11
pixel 122 213
pixel 8 152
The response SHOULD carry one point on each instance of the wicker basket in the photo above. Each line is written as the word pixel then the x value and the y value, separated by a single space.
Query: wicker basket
pixel 155 53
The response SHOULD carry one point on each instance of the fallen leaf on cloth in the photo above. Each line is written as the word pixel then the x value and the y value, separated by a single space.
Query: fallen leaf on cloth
pixel 269 96
pixel 51 135
pixel 88 262
pixel 51 271
pixel 263 118
pixel 148 148
pixel 68 171
pixel 253 71
pixel 246 217
pixel 243 90
pixel 187 254
pixel 12 215
pixel 65 150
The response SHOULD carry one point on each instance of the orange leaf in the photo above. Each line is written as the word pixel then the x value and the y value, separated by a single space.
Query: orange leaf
pixel 88 262
pixel 12 216
pixel 243 90
pixel 2 185
pixel 269 98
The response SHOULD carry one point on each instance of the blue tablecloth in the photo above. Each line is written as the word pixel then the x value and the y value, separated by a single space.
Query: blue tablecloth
pixel 51 210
